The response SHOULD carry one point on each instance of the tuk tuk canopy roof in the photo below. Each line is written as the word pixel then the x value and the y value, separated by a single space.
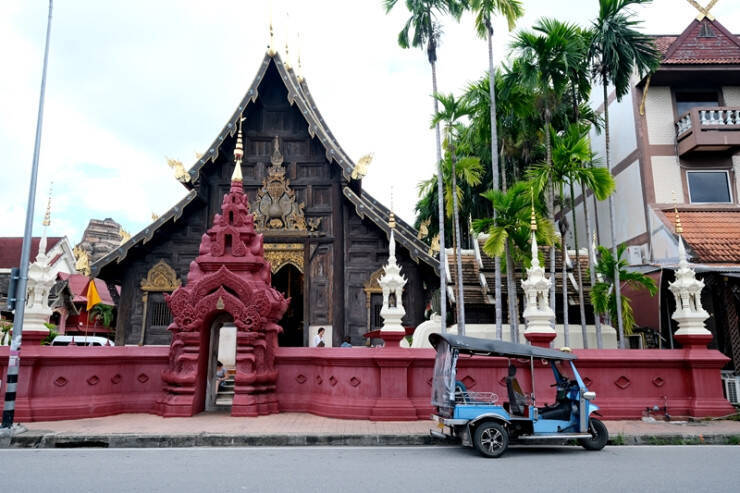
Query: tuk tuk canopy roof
pixel 493 347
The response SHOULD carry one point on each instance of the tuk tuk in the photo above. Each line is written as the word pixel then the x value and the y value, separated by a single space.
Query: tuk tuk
pixel 480 419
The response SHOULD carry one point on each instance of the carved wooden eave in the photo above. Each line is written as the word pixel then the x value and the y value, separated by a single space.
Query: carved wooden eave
pixel 299 95
pixel 145 235
pixel 368 207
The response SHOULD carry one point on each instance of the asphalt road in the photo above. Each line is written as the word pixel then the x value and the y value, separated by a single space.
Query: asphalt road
pixel 382 469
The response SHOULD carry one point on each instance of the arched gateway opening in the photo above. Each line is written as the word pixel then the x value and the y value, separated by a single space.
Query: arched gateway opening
pixel 289 281
pixel 228 281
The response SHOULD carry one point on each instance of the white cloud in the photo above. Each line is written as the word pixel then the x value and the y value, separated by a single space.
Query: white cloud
pixel 131 82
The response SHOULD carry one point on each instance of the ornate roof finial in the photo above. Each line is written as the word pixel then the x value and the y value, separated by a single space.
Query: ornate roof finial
pixel 679 228
pixel 392 216
pixel 47 214
pixel 533 218
pixel 286 62
pixel 238 154
pixel 271 46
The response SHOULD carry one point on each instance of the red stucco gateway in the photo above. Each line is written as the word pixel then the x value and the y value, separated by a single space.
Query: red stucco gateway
pixel 230 276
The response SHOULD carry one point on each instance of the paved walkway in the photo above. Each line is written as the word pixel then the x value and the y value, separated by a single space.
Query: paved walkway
pixel 218 429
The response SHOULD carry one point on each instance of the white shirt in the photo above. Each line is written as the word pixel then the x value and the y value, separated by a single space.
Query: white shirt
pixel 316 340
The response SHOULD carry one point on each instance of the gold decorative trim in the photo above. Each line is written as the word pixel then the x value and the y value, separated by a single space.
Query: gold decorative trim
pixel 281 254
pixel 161 277
pixel 276 206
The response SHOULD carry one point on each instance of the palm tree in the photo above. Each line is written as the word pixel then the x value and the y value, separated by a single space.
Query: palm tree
pixel 546 55
pixel 509 234
pixel 484 11
pixel 422 30
pixel 571 152
pixel 604 296
pixel 452 110
pixel 617 50
pixel 104 313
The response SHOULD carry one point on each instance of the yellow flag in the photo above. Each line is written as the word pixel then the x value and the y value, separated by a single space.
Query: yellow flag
pixel 93 298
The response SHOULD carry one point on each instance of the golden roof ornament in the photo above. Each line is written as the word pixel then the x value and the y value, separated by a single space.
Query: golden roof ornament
pixel 238 155
pixel 360 169
pixel 155 216
pixel 125 236
pixel 82 260
pixel 703 11
pixel 392 220
pixel 434 247
pixel 424 228
pixel 679 227
pixel 180 174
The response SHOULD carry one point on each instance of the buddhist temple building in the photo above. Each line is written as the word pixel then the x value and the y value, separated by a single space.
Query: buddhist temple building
pixel 325 238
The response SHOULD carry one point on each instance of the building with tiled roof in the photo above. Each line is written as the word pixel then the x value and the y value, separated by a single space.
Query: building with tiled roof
pixel 675 143
pixel 59 251
pixel 325 237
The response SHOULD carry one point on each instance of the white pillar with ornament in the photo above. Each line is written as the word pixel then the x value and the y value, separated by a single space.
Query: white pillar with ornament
pixel 538 314
pixel 40 281
pixel 689 314
pixel 392 283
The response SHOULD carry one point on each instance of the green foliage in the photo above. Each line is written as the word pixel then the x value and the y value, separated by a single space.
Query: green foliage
pixel 102 313
pixel 512 223
pixel 603 297
pixel 617 49
pixel 422 29
pixel 46 341
pixel 485 10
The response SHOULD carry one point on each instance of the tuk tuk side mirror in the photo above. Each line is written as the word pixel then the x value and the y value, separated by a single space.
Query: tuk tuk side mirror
pixel 589 396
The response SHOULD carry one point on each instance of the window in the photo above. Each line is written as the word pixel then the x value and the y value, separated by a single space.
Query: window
pixel 709 186
pixel 691 99
pixel 160 314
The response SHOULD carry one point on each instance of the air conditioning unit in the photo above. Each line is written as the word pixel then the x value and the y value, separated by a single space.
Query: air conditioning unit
pixel 634 255
pixel 731 386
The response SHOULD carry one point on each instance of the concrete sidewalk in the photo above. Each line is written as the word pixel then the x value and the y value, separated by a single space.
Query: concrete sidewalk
pixel 296 429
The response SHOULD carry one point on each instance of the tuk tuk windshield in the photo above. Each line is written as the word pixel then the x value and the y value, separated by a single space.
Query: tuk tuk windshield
pixel 443 385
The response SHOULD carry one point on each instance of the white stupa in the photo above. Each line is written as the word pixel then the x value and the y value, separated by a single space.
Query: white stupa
pixel 392 283
pixel 538 314
pixel 690 314
pixel 40 282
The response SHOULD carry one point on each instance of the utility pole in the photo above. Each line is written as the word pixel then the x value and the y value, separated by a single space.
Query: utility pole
pixel 15 343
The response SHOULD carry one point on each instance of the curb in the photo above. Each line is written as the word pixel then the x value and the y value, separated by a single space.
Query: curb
pixel 61 440
pixel 57 440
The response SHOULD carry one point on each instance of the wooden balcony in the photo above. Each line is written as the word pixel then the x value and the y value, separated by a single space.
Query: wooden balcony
pixel 715 129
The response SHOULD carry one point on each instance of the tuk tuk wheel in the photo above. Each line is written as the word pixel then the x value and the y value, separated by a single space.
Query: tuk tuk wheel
pixel 599 435
pixel 491 440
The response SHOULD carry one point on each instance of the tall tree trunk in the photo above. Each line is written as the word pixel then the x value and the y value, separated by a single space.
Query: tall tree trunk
pixel 494 172
pixel 551 212
pixel 612 219
pixel 511 295
pixel 441 205
pixel 564 269
pixel 458 249
pixel 581 306
pixel 592 274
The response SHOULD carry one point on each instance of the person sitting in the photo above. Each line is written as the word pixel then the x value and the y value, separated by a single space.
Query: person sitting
pixel 347 342
pixel 517 401
pixel 220 375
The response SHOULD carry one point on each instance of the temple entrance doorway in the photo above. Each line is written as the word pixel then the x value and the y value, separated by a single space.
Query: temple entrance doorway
pixel 222 348
pixel 289 281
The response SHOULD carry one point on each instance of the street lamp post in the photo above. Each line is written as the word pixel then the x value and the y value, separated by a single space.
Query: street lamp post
pixel 15 343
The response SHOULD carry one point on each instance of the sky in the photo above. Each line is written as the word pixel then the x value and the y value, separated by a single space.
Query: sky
pixel 132 83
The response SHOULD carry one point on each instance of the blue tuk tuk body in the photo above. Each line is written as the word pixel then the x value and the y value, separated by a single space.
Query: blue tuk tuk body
pixel 481 420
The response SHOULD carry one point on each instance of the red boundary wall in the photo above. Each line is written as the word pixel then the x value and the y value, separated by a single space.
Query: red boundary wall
pixel 364 383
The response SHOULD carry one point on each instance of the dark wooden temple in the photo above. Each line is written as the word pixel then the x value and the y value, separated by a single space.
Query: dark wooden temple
pixel 325 237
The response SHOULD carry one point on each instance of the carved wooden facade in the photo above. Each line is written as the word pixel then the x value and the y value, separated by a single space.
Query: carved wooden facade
pixel 312 214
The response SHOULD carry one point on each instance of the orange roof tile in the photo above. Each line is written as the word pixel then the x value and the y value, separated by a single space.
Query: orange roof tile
pixel 713 235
